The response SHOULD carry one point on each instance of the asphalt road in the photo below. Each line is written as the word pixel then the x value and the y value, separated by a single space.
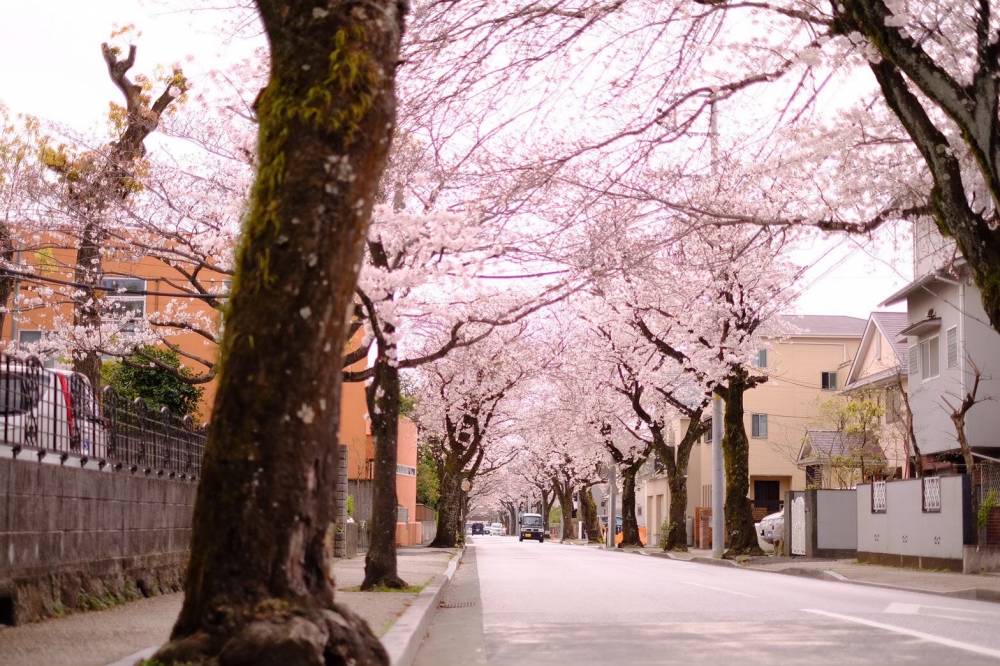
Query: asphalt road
pixel 529 603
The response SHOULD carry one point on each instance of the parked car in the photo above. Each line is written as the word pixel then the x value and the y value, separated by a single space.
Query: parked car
pixel 49 409
pixel 477 528
pixel 496 529
pixel 771 528
pixel 532 527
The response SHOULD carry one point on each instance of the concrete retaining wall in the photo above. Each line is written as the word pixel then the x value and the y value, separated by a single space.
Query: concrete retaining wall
pixel 73 538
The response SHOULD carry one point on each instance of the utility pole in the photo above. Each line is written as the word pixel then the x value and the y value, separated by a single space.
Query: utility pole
pixel 717 478
pixel 612 497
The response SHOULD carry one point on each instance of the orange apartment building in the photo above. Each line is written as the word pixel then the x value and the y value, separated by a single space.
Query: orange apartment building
pixel 148 285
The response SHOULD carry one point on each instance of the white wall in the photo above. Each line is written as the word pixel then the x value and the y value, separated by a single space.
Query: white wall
pixel 982 347
pixel 904 528
pixel 836 519
pixel 931 423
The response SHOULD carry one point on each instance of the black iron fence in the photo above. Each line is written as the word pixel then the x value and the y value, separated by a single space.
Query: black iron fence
pixel 56 412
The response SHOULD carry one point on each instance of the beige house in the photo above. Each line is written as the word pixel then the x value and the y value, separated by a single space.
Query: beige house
pixel 805 365
pixel 879 374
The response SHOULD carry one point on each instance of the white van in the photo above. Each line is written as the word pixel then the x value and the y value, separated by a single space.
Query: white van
pixel 496 529
pixel 49 410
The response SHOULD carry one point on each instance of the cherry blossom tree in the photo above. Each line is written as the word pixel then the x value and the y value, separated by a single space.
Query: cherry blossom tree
pixel 262 539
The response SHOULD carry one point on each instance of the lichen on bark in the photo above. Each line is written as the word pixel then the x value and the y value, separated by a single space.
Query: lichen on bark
pixel 260 586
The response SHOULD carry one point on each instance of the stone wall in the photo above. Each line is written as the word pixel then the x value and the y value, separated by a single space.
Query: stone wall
pixel 74 538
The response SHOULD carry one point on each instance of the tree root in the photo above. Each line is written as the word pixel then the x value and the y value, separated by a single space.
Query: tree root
pixel 277 634
pixel 392 582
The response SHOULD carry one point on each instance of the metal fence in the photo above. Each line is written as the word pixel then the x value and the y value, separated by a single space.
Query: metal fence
pixel 56 412
pixel 986 479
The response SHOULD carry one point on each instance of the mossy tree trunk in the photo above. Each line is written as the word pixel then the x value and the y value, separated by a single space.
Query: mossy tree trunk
pixel 260 588
pixel 736 451
pixel 630 523
pixel 450 510
pixel 564 494
pixel 588 512
pixel 383 408
pixel 675 460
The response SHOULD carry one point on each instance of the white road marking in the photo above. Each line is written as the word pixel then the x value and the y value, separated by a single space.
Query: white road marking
pixel 720 589
pixel 940 640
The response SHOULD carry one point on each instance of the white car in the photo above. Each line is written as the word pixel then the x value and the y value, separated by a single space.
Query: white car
pixel 770 530
pixel 496 529
pixel 46 409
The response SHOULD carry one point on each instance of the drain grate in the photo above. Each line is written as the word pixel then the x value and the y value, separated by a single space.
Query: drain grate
pixel 456 604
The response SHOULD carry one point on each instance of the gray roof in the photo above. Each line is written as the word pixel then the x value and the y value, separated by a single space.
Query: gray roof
pixel 825 444
pixel 891 323
pixel 824 325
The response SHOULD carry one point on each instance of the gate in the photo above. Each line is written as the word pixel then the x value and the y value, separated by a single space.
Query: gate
pixel 799 525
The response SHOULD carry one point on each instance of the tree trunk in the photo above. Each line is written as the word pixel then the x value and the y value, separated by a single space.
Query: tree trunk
pixel 676 537
pixel 677 468
pixel 7 282
pixel 630 524
pixel 382 395
pixel 259 587
pixel 564 493
pixel 449 515
pixel 87 312
pixel 591 522
pixel 736 449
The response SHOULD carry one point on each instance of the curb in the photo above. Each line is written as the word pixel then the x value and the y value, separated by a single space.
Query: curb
pixel 697 559
pixel 403 639
pixel 972 593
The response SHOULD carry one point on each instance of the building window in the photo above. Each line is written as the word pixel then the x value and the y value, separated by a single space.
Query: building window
pixel 914 369
pixel 951 339
pixel 761 361
pixel 758 426
pixel 28 337
pixel 125 300
pixel 878 346
pixel 828 381
pixel 929 358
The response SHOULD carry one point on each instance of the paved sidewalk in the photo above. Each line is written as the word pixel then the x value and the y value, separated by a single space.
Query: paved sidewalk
pixel 98 638
pixel 974 586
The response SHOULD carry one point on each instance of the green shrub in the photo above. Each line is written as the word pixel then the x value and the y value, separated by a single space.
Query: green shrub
pixel 137 376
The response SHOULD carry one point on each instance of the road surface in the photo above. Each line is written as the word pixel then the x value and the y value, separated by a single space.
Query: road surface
pixel 528 603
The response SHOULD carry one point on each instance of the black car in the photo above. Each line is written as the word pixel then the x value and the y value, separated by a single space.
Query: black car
pixel 532 527
pixel 477 528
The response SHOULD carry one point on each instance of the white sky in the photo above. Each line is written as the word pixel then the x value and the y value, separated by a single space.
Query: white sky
pixel 61 77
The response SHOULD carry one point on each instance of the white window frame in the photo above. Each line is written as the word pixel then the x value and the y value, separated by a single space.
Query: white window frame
pixel 832 374
pixel 114 296
pixel 756 432
pixel 925 361
pixel 22 331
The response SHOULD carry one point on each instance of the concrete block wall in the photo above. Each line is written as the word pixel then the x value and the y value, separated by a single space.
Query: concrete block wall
pixel 80 538
pixel 906 535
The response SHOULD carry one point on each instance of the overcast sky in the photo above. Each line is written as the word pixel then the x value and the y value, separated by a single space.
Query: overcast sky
pixel 53 69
